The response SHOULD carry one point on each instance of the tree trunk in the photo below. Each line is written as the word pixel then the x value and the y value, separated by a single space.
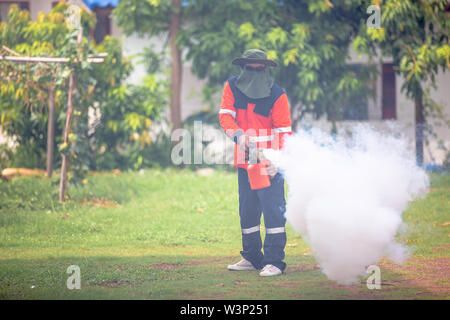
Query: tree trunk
pixel 176 74
pixel 67 128
pixel 65 158
pixel 420 125
pixel 332 119
pixel 50 130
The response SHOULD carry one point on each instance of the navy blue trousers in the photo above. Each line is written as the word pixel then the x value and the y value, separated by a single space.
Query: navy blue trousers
pixel 271 202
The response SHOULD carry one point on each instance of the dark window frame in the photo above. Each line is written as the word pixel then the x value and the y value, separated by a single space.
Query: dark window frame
pixel 104 22
pixel 389 93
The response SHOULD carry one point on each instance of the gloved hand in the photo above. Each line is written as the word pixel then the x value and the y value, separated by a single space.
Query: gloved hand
pixel 255 155
pixel 271 169
pixel 243 142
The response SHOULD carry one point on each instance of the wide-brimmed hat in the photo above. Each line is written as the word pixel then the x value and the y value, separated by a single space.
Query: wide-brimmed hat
pixel 254 56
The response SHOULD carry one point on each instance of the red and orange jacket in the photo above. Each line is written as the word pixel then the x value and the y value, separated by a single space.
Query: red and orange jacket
pixel 266 120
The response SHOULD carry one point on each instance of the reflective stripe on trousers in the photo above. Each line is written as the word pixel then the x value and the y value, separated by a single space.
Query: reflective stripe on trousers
pixel 268 231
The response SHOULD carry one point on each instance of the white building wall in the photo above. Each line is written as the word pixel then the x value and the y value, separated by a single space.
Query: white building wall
pixel 37 6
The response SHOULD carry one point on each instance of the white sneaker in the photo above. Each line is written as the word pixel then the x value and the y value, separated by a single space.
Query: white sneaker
pixel 241 266
pixel 270 270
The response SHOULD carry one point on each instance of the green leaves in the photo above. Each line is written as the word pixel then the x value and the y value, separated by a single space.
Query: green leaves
pixel 117 110
pixel 301 32
pixel 290 56
pixel 311 59
pixel 443 54
pixel 143 17
pixel 348 82
pixel 246 31
pixel 133 120
pixel 272 55
pixel 154 3
pixel 319 7
pixel 377 34
pixel 277 36
pixel 308 78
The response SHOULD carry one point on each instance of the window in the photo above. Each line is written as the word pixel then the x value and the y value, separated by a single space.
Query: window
pixel 4 8
pixel 388 93
pixel 103 26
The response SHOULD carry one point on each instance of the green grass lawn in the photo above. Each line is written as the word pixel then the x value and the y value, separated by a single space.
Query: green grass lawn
pixel 169 234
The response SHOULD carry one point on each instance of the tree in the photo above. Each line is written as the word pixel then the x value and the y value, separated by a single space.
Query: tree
pixel 120 138
pixel 154 18
pixel 119 135
pixel 309 39
pixel 30 87
pixel 27 88
pixel 415 34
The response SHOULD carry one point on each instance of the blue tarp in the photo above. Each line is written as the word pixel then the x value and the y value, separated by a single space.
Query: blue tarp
pixel 101 3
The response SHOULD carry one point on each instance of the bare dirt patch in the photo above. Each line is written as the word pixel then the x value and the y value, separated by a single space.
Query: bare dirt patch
pixel 165 266
pixel 301 268
pixel 10 173
pixel 441 248
pixel 439 189
pixel 205 261
pixel 101 202
pixel 111 283
pixel 209 261
pixel 429 274
pixel 115 172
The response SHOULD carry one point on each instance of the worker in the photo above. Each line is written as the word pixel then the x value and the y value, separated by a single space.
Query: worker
pixel 254 112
